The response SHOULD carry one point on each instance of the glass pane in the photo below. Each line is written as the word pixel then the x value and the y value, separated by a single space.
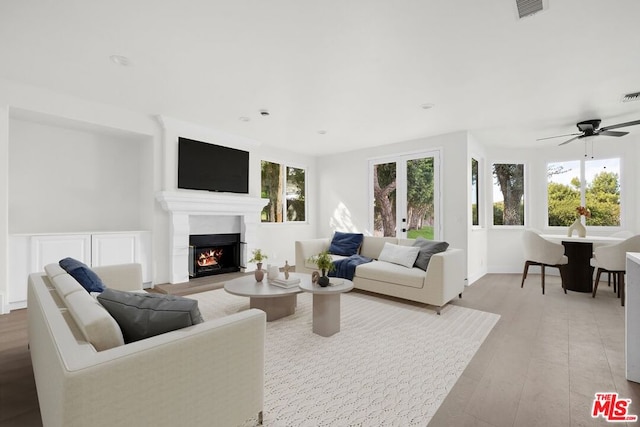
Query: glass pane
pixel 272 189
pixel 384 192
pixel 602 191
pixel 420 208
pixel 563 192
pixel 475 193
pixel 508 194
pixel 295 194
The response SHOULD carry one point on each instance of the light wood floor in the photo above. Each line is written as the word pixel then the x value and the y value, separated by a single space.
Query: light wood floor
pixel 544 360
pixel 541 364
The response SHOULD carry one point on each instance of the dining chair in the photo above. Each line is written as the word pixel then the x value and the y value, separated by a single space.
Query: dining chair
pixel 622 234
pixel 612 259
pixel 542 252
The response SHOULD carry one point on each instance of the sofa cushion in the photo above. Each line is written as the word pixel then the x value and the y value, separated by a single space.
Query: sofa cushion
pixel 83 274
pixel 428 248
pixel 54 270
pixel 345 244
pixel 64 284
pixel 394 274
pixel 97 326
pixel 143 315
pixel 372 246
pixel 401 255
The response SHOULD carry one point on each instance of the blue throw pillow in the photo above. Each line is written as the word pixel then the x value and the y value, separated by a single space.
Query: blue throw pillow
pixel 83 274
pixel 345 244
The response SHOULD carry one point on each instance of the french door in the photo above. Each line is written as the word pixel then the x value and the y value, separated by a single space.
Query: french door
pixel 405 195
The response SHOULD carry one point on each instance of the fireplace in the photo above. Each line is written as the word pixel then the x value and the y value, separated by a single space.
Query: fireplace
pixel 214 254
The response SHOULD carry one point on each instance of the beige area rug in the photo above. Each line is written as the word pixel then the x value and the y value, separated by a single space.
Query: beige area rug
pixel 392 363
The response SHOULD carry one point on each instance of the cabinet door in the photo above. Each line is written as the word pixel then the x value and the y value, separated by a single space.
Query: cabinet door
pixel 52 248
pixel 112 249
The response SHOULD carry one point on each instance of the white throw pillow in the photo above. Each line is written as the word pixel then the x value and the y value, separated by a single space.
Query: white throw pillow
pixel 402 255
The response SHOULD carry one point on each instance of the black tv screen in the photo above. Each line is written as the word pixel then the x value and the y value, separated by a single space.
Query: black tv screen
pixel 204 166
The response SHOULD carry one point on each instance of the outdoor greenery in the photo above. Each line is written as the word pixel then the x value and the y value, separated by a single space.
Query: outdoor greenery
pixel 510 179
pixel 420 193
pixel 602 199
pixel 275 188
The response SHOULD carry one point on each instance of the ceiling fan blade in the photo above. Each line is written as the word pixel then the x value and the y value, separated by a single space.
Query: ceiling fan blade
pixel 572 139
pixel 620 125
pixel 612 133
pixel 559 136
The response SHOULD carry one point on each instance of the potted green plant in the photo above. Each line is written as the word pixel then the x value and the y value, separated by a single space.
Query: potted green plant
pixel 325 263
pixel 258 257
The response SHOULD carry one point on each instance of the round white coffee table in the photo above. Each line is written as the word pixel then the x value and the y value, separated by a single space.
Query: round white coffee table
pixel 277 302
pixel 326 304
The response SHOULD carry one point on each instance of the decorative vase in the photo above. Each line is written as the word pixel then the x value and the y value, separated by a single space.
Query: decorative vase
pixel 323 280
pixel 259 273
pixel 577 226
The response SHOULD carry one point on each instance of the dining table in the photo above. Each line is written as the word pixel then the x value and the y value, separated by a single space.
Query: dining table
pixel 578 275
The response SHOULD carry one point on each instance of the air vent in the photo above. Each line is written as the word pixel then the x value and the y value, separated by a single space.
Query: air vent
pixel 528 7
pixel 631 97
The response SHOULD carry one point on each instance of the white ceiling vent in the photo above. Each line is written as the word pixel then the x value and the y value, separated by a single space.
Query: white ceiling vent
pixel 528 7
pixel 631 97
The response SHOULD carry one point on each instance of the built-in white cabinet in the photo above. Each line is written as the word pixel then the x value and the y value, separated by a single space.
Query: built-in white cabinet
pixel 30 253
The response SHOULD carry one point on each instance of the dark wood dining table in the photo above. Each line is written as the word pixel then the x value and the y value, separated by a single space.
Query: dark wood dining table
pixel 578 275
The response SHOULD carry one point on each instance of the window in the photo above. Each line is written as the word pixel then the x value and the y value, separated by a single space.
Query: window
pixel 405 196
pixel 475 193
pixel 591 183
pixel 285 187
pixel 508 194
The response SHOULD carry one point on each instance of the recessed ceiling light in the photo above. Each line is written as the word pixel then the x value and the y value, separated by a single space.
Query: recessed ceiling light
pixel 264 113
pixel 244 119
pixel 120 60
pixel 322 132
pixel 427 106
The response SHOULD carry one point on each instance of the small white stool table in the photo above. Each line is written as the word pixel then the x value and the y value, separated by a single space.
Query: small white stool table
pixel 326 305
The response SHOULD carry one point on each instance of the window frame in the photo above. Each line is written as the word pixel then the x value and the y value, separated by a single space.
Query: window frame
pixel 583 183
pixel 283 206
pixel 525 195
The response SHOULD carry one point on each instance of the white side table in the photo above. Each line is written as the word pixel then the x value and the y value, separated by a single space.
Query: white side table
pixel 326 305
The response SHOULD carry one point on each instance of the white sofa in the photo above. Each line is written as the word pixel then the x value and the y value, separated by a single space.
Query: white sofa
pixel 207 374
pixel 443 280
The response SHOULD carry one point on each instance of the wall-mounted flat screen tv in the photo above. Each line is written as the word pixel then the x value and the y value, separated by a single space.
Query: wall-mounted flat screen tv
pixel 204 166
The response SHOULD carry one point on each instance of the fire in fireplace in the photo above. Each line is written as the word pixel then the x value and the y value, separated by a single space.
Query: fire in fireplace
pixel 213 254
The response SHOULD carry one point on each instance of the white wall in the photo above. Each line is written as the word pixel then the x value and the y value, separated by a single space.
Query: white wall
pixel 343 186
pixel 63 179
pixel 278 240
pixel 4 207
pixel 477 236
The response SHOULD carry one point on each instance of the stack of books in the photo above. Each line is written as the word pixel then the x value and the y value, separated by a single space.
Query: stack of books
pixel 291 282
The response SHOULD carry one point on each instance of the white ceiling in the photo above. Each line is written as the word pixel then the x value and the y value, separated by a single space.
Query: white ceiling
pixel 359 69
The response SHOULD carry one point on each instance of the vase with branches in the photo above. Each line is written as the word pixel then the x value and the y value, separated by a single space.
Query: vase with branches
pixel 258 257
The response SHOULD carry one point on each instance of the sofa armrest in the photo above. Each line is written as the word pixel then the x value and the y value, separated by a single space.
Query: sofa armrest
pixel 123 277
pixel 305 249
pixel 446 274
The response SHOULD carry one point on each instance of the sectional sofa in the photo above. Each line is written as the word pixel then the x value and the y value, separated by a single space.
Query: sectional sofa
pixel 211 373
pixel 443 280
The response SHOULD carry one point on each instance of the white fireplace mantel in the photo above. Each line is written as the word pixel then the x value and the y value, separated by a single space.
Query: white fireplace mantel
pixel 183 205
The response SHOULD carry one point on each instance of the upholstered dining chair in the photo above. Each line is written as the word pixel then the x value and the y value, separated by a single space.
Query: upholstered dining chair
pixel 542 252
pixel 622 234
pixel 612 259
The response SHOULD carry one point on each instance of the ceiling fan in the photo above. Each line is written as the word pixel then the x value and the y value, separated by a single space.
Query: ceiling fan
pixel 592 128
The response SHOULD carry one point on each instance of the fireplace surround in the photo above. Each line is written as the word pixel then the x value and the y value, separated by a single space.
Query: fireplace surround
pixel 183 205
